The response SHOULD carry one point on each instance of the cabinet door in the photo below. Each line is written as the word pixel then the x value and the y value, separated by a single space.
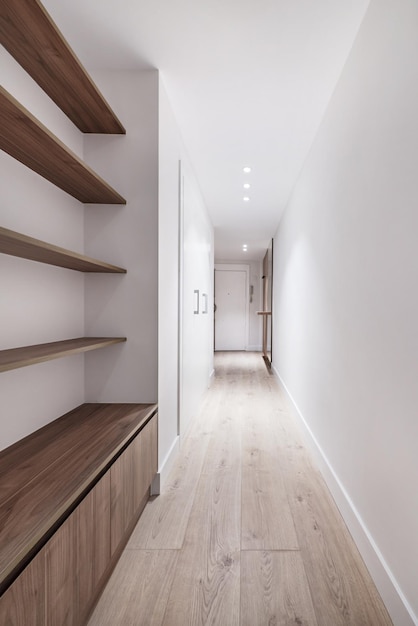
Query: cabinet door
pixel 144 460
pixel 23 604
pixel 131 476
pixel 61 584
pixel 122 506
pixel 93 543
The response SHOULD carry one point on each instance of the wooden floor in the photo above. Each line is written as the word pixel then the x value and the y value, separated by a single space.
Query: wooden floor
pixel 245 532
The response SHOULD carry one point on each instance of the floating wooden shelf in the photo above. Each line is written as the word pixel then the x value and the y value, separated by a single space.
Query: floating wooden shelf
pixel 32 38
pixel 29 355
pixel 26 247
pixel 30 142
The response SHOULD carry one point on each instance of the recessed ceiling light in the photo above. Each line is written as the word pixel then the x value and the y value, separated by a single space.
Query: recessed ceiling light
pixel 247 185
pixel 246 199
pixel 247 169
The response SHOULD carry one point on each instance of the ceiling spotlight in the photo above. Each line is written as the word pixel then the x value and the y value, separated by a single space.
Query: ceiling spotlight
pixel 247 185
pixel 246 199
pixel 247 169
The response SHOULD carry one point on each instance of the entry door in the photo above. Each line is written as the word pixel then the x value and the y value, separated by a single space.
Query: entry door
pixel 231 309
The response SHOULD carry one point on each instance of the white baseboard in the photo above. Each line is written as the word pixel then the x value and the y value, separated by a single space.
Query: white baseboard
pixel 396 603
pixel 254 348
pixel 160 478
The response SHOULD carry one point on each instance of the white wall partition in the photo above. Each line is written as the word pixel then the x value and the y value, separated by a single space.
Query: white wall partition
pixel 185 260
pixel 346 298
pixel 168 282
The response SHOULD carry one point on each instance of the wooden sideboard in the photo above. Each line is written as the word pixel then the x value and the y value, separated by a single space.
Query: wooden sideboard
pixel 70 496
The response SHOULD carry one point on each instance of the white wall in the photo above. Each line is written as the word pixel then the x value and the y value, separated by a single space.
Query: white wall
pixel 255 326
pixel 125 305
pixel 38 303
pixel 346 300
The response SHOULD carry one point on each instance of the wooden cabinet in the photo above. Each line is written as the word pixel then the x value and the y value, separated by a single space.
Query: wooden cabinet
pixel 60 585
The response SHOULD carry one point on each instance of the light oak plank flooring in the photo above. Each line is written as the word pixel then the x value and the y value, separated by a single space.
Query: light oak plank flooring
pixel 137 592
pixel 164 521
pixel 206 589
pixel 274 589
pixel 245 532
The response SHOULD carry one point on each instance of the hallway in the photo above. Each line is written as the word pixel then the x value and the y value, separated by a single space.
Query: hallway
pixel 245 532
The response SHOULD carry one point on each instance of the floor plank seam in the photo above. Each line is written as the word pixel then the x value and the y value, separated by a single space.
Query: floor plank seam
pixel 129 549
pixel 271 550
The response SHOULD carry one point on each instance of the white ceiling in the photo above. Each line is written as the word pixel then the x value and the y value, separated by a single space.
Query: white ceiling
pixel 249 82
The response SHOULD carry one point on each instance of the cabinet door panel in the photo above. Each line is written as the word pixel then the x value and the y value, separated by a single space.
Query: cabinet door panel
pixel 85 551
pixel 145 460
pixel 131 476
pixel 102 526
pixel 140 462
pixel 61 587
pixel 93 542
pixel 118 500
pixel 23 604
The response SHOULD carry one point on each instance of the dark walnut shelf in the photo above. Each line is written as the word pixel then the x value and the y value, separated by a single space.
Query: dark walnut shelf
pixel 29 355
pixel 16 244
pixel 30 142
pixel 45 475
pixel 32 38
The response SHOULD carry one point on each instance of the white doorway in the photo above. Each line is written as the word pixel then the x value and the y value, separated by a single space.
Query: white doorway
pixel 231 307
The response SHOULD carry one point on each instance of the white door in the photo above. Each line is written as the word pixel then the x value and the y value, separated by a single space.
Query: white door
pixel 231 309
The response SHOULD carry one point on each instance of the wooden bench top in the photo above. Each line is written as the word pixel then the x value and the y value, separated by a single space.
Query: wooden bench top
pixel 43 476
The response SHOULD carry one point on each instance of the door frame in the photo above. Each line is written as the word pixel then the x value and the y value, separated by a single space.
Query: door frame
pixel 241 267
